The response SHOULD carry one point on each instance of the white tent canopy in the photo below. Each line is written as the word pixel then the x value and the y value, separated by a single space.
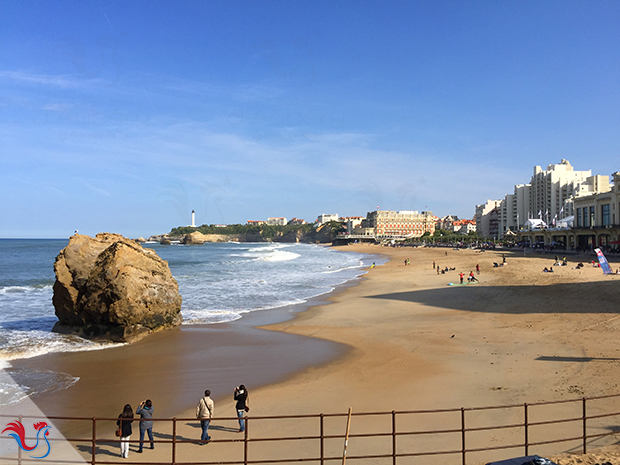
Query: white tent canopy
pixel 535 223
pixel 566 222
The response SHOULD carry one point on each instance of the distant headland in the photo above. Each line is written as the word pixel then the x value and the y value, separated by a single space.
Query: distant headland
pixel 304 233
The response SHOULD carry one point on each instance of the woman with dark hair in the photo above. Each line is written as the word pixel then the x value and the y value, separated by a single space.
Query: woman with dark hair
pixel 124 422
pixel 241 397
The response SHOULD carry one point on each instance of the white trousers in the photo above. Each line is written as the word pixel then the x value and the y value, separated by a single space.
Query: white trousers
pixel 125 446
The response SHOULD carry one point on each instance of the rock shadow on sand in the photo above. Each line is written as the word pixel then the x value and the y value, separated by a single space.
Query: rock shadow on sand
pixel 599 297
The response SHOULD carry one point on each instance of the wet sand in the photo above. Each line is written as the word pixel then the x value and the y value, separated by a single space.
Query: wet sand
pixel 174 367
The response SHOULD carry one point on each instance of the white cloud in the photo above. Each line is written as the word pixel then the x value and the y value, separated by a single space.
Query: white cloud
pixel 50 80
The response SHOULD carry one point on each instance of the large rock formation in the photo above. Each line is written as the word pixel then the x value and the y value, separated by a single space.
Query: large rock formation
pixel 110 287
pixel 197 238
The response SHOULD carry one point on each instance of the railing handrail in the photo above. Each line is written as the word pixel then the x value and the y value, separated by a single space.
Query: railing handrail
pixel 526 425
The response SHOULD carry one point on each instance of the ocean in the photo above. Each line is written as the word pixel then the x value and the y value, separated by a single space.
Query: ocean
pixel 218 282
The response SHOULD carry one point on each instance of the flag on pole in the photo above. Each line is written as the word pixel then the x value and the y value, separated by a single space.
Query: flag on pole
pixel 603 261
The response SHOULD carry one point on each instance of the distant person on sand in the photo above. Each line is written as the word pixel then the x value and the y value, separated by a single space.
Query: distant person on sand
pixel 145 410
pixel 461 276
pixel 204 412
pixel 472 278
pixel 433 264
pixel 477 269
pixel 124 423
pixel 241 397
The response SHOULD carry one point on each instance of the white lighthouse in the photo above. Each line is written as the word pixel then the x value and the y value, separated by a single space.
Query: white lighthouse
pixel 193 219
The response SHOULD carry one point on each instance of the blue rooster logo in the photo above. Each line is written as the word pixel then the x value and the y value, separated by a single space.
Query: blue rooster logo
pixel 19 434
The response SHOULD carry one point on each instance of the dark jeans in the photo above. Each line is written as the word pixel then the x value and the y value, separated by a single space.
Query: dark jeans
pixel 150 433
pixel 204 424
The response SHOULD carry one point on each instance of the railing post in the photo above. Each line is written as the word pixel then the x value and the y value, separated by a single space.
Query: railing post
pixel 19 449
pixel 245 441
pixel 393 437
pixel 322 432
pixel 94 449
pixel 585 430
pixel 463 434
pixel 526 424
pixel 174 440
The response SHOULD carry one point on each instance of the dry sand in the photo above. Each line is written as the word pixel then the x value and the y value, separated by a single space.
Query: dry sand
pixel 403 339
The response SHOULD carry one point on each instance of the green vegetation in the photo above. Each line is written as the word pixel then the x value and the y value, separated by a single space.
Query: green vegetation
pixel 443 235
pixel 264 230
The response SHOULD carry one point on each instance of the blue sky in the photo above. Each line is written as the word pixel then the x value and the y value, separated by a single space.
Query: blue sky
pixel 126 116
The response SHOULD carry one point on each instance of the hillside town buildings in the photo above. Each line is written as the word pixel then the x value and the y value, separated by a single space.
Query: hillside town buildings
pixel 326 218
pixel 277 221
pixel 464 226
pixel 352 222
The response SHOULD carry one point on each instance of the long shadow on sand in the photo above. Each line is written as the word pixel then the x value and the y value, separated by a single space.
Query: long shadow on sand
pixel 590 297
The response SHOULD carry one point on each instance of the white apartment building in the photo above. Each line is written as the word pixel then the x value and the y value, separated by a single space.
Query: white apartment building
pixel 487 218
pixel 326 218
pixel 596 222
pixel 599 210
pixel 277 221
pixel 549 195
pixel 353 222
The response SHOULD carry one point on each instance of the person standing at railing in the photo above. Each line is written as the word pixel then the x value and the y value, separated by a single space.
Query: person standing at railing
pixel 124 422
pixel 204 412
pixel 241 397
pixel 145 410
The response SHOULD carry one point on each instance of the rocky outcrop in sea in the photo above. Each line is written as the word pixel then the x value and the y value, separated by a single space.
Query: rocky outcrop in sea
pixel 111 288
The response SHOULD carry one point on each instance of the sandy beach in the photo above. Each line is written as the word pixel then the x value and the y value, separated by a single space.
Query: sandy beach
pixel 401 339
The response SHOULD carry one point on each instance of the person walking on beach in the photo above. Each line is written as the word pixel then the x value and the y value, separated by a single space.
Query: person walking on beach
pixel 124 423
pixel 145 410
pixel 433 264
pixel 241 397
pixel 477 269
pixel 204 412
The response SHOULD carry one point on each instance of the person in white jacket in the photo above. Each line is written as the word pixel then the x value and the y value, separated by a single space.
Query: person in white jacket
pixel 204 412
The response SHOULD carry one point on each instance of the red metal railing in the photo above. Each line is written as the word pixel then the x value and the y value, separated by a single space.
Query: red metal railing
pixel 459 437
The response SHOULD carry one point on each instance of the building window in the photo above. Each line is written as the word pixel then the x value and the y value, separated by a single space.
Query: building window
pixel 579 217
pixel 605 215
pixel 586 218
pixel 591 216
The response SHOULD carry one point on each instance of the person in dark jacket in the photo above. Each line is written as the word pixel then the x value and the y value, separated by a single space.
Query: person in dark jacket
pixel 124 421
pixel 241 397
pixel 145 410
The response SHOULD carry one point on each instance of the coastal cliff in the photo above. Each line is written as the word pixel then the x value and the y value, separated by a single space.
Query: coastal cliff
pixel 110 287
pixel 308 234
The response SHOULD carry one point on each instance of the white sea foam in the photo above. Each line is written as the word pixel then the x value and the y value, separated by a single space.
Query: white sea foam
pixel 17 384
pixel 218 283
pixel 279 256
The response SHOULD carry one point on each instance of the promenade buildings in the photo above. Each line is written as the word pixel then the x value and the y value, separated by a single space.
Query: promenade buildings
pixel 597 219
pixel 549 196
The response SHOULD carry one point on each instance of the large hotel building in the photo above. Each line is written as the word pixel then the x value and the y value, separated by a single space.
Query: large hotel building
pixel 387 223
